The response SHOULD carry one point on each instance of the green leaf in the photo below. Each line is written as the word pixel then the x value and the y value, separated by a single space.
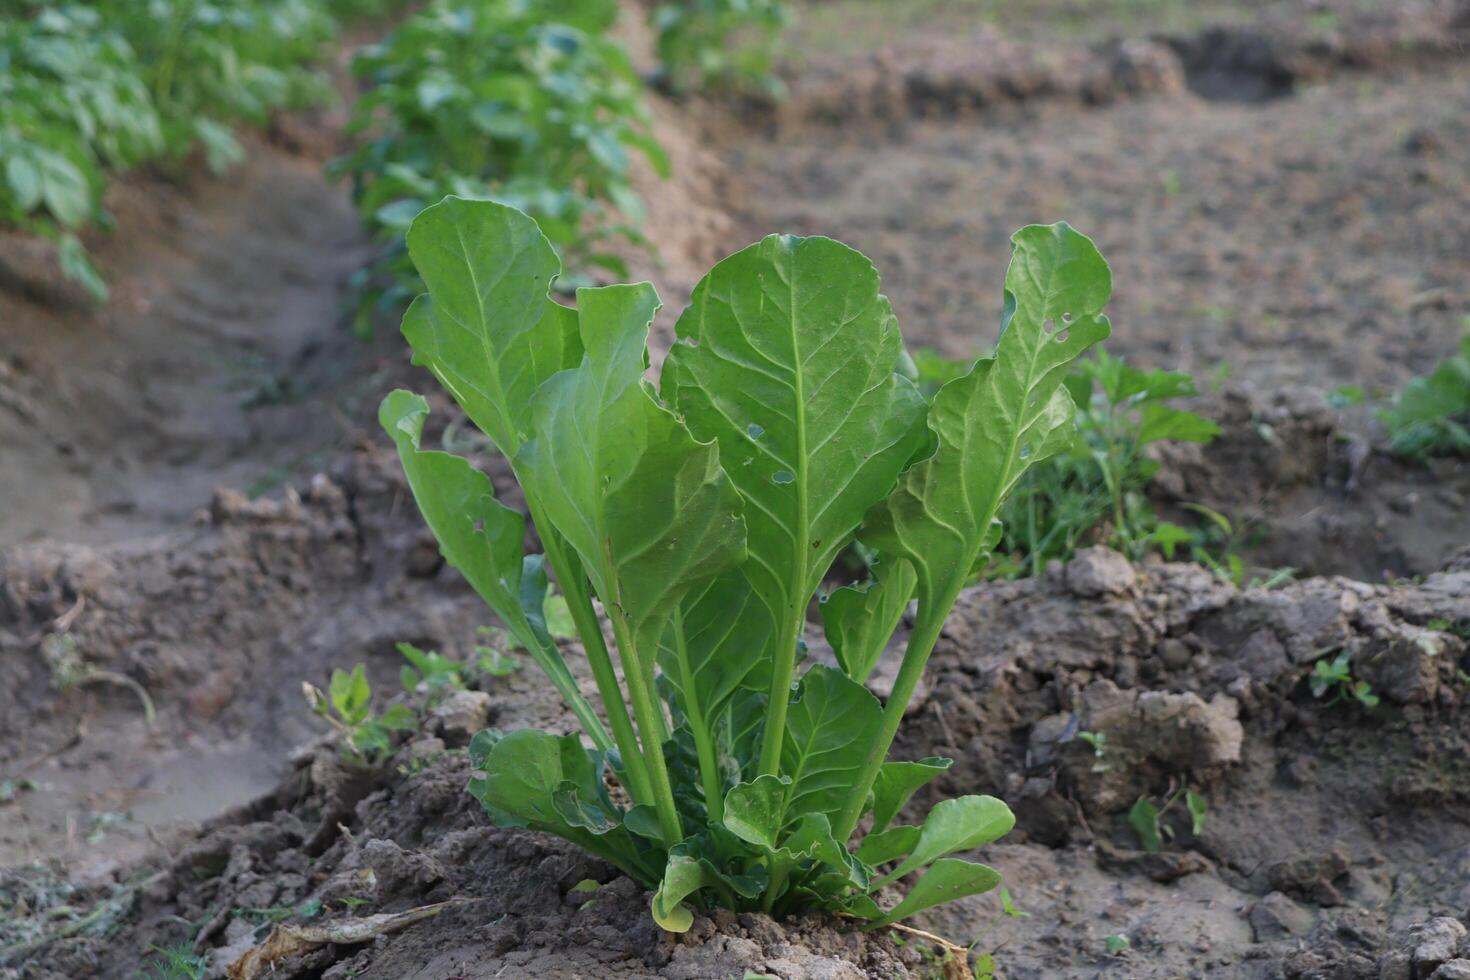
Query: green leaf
pixel 25 182
pixel 65 191
pixel 786 357
pixel 483 539
pixel 753 810
pixel 859 622
pixel 1198 811
pixel 1158 423
pixel 683 876
pixel 488 331
pixel 646 506
pixel 949 879
pixel 888 845
pixel 719 644
pixel 1009 412
pixel 897 783
pixel 350 694
pixel 955 825
pixel 77 266
pixel 826 736
pixel 1143 817
pixel 551 784
pixel 399 718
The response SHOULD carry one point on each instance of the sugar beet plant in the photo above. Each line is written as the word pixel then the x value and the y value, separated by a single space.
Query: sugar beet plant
pixel 703 515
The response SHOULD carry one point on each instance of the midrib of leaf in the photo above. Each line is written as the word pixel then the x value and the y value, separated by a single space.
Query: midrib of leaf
pixel 793 614
pixel 483 336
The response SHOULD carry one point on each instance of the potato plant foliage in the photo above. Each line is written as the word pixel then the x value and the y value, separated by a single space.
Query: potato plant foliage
pixel 703 515
pixel 527 102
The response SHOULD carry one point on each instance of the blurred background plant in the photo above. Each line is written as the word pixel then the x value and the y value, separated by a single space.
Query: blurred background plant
pixel 723 46
pixel 525 102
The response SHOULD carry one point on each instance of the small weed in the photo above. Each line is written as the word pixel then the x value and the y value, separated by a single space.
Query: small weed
pixel 1335 677
pixel 1146 820
pixel 11 788
pixel 347 707
pixel 178 962
pixel 1117 944
pixel 1431 415
pixel 429 674
pixel 70 670
pixel 1099 483
pixel 1099 743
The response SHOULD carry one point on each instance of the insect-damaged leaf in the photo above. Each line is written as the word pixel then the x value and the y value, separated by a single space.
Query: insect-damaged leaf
pixel 487 329
pixel 786 357
pixel 1007 413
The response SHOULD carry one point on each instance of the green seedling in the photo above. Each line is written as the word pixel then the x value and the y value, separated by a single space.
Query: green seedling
pixel 1335 678
pixel 70 670
pixel 11 788
pixel 178 962
pixel 1146 819
pixel 347 707
pixel 1431 415
pixel 1099 743
pixel 492 663
pixel 429 673
pixel 1117 944
pixel 704 513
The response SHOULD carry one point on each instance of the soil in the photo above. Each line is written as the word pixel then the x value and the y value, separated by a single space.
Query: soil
pixel 1280 187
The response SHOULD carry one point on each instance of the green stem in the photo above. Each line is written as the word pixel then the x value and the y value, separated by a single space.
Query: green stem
pixel 915 656
pixel 709 768
pixel 574 587
pixel 779 870
pixel 646 710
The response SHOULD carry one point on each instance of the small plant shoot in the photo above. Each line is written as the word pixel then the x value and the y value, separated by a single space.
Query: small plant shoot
pixel 699 517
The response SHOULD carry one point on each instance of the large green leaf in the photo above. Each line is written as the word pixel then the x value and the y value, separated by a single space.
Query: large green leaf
pixel 488 330
pixel 860 622
pixel 946 881
pixel 827 732
pixel 955 825
pixel 1007 413
pixel 786 357
pixel 484 540
pixel 551 784
pixel 645 505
